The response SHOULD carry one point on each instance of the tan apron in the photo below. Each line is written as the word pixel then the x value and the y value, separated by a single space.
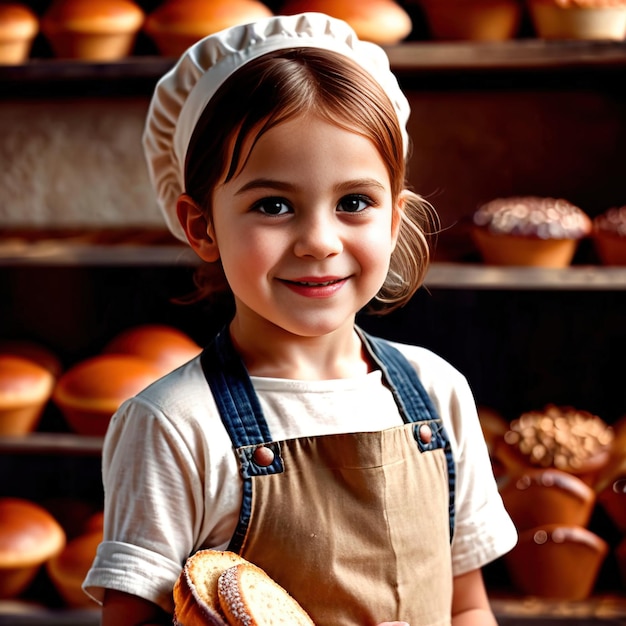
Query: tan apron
pixel 355 526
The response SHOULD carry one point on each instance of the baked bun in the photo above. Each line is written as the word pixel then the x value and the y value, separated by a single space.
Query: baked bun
pixel 67 570
pixel 609 236
pixel 91 391
pixel 529 231
pixel 383 22
pixel 579 19
pixel 18 27
pixel 473 20
pixel 34 352
pixel 221 588
pixel 556 561
pixel 563 438
pixel 29 536
pixel 249 597
pixel 547 496
pixel 175 25
pixel 92 30
pixel 25 388
pixel 165 346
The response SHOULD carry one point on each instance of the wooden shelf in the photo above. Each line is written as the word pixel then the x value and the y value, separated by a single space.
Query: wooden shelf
pixel 605 611
pixel 51 443
pixel 422 63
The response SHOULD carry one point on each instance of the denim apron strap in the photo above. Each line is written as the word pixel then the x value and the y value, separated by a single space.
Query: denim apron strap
pixel 414 404
pixel 243 418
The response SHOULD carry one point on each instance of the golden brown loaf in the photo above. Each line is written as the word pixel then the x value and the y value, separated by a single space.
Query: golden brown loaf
pixel 97 30
pixel 383 22
pixel 165 346
pixel 220 588
pixel 68 569
pixel 91 391
pixel 25 388
pixel 175 25
pixel 29 536
pixel 18 27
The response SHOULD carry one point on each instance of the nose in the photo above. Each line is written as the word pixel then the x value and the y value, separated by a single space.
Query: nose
pixel 318 236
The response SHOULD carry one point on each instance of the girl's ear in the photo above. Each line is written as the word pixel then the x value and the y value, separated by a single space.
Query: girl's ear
pixel 198 229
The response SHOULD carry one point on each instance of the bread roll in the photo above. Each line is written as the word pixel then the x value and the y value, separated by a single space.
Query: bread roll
pixel 68 569
pixel 18 27
pixel 34 352
pixel 92 30
pixel 175 25
pixel 29 536
pixel 91 391
pixel 165 346
pixel 383 22
pixel 25 388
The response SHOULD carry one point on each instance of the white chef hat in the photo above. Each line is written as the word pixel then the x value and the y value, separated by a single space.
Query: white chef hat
pixel 182 94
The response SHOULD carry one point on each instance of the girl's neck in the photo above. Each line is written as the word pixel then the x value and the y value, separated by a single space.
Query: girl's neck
pixel 276 353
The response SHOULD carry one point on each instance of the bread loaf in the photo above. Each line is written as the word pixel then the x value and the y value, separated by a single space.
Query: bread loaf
pixel 249 597
pixel 221 588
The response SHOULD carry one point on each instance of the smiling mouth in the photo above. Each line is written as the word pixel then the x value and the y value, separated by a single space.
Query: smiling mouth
pixel 308 283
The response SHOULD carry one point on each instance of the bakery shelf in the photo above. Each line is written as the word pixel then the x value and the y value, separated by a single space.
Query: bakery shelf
pixel 477 276
pixel 55 252
pixel 601 611
pixel 51 443
pixel 425 64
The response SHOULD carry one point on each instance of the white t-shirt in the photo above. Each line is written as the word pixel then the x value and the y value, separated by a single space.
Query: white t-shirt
pixel 172 484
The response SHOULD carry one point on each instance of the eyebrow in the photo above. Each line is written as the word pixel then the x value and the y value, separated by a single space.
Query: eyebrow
pixel 264 183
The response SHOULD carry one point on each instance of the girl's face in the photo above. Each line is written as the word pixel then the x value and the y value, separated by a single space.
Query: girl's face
pixel 305 229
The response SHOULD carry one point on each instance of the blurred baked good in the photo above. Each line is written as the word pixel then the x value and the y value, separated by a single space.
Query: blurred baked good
pixel 620 556
pixel 19 26
pixel 384 22
pixel 609 236
pixel 165 346
pixel 29 536
pixel 579 19
pixel 33 351
pixel 25 388
pixel 92 30
pixel 563 438
pixel 613 500
pixel 547 496
pixel 68 569
pixel 529 231
pixel 473 20
pixel 175 25
pixel 556 561
pixel 90 392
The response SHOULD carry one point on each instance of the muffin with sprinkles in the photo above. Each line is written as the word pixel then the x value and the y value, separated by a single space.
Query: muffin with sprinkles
pixel 529 231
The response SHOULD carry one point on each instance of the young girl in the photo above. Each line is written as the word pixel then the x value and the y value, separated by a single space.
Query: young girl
pixel 352 470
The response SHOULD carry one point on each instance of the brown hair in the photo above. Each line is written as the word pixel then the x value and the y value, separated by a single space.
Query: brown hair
pixel 284 84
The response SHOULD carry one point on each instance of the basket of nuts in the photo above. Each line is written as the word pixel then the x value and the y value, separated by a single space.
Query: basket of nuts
pixel 557 437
